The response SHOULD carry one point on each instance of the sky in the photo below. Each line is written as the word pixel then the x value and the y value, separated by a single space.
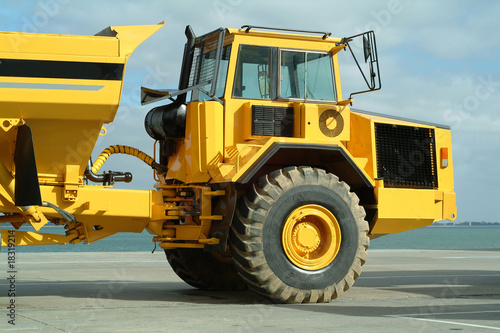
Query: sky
pixel 439 62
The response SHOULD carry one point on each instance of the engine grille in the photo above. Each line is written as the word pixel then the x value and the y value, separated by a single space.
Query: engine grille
pixel 406 156
pixel 272 121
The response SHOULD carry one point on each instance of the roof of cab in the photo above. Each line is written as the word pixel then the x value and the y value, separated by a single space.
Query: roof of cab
pixel 284 34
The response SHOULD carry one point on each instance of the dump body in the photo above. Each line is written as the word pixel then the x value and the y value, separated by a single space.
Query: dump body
pixel 64 88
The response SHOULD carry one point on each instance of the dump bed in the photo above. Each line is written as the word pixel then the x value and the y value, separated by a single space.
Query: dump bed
pixel 64 87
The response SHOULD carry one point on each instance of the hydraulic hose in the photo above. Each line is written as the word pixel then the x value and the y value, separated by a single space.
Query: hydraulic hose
pixel 119 149
pixel 67 215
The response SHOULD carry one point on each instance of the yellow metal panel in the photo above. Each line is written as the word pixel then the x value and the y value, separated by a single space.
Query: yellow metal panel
pixel 260 149
pixel 72 180
pixel 324 121
pixel 8 145
pixel 253 39
pixel 62 57
pixel 113 209
pixel 401 203
pixel 7 182
pixel 191 149
pixel 236 128
pixel 178 166
pixel 362 143
pixel 34 43
pixel 132 36
pixel 167 246
pixel 70 99
pixel 247 125
pixel 389 120
pixel 7 203
pixel 299 39
pixel 405 209
pixel 449 206
pixel 211 134
pixel 58 143
pixel 385 226
pixel 46 46
pixel 336 71
pixel 445 175
pixel 193 115
pixel 202 149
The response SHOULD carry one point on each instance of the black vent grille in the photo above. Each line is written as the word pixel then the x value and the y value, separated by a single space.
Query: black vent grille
pixel 406 156
pixel 272 121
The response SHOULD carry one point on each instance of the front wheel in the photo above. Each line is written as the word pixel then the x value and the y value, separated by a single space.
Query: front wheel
pixel 299 236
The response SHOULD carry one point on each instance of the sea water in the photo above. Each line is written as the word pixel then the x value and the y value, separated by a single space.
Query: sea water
pixel 433 238
pixel 442 238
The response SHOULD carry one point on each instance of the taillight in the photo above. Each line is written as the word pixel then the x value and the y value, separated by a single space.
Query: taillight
pixel 444 157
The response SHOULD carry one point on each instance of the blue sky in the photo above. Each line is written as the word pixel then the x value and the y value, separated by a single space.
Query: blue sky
pixel 439 62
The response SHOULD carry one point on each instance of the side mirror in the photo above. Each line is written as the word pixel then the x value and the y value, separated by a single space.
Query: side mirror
pixel 371 71
pixel 367 48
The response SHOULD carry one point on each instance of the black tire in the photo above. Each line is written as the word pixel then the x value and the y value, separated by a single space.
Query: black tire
pixel 258 236
pixel 205 270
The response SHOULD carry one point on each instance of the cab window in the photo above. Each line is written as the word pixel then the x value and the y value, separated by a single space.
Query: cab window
pixel 207 67
pixel 252 72
pixel 306 76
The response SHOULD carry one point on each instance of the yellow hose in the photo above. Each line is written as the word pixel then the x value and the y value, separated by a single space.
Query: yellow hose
pixel 119 149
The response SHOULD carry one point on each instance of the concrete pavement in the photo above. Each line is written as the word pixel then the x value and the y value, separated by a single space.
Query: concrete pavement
pixel 399 291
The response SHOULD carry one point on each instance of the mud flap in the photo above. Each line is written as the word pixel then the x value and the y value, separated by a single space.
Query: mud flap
pixel 27 187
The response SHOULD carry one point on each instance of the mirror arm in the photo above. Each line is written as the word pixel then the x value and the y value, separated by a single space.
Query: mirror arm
pixel 370 57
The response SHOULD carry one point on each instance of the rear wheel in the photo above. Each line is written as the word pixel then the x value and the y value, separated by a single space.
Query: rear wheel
pixel 205 270
pixel 299 236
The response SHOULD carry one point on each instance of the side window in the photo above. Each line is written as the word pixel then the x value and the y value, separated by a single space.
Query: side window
pixel 306 76
pixel 209 62
pixel 320 77
pixel 252 72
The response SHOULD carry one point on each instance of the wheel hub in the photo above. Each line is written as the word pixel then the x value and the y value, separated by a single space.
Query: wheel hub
pixel 311 237
pixel 306 237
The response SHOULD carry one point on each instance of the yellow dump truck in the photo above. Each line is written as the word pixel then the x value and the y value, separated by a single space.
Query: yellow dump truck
pixel 265 176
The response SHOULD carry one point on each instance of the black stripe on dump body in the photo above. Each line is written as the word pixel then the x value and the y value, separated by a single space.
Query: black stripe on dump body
pixel 61 69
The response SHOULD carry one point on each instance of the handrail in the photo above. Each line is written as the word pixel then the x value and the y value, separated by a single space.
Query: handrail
pixel 248 27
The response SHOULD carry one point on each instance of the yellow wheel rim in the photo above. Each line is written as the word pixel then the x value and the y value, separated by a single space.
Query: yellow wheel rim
pixel 311 237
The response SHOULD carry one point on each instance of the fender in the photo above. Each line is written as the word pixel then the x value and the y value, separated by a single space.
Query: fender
pixel 332 158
